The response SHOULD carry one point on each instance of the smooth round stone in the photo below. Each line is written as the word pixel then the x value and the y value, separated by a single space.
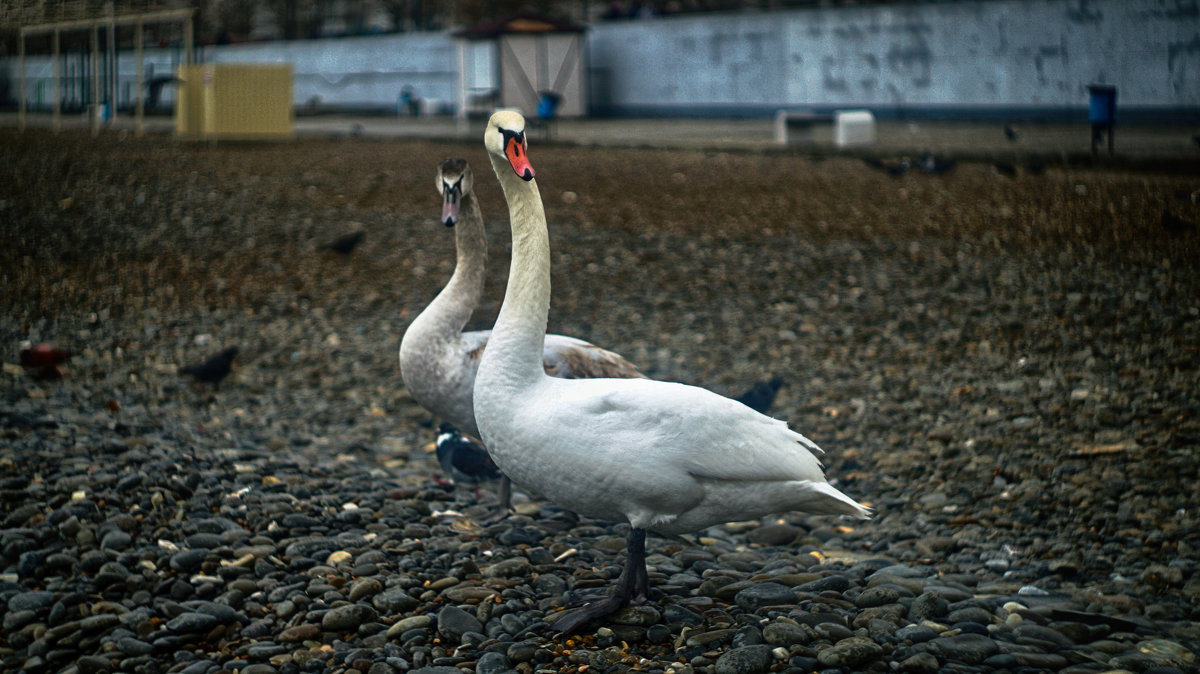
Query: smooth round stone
pixel 466 594
pixel 522 651
pixel 764 594
pixel 30 601
pixel 708 638
pixel 834 582
pixel 774 534
pixel 970 614
pixel 410 623
pixel 850 652
pixel 877 596
pixel 347 618
pixel 188 560
pixel 492 663
pixel 970 649
pixel 921 663
pixel 928 606
pixel 512 567
pixel 366 587
pixel 636 615
pixel 205 540
pixel 299 633
pixel 192 622
pixel 658 634
pixel 833 631
pixel 1037 635
pixel 15 620
pixel 453 622
pixel 394 600
pixel 784 634
pixel 745 660
pixel 99 623
pixel 116 540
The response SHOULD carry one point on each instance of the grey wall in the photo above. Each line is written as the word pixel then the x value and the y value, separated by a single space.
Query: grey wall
pixel 964 57
pixel 1011 58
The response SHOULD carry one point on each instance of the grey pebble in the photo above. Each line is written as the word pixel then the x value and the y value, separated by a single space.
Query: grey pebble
pixel 971 649
pixel 192 622
pixel 850 652
pixel 453 622
pixel 745 660
pixel 347 618
pixel 492 663
pixel 764 594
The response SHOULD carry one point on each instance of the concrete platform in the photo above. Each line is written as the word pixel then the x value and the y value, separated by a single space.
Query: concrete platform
pixel 961 139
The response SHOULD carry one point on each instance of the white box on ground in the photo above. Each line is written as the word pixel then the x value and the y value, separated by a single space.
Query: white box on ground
pixel 853 127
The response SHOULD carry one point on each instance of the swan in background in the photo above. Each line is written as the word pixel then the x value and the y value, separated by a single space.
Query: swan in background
pixel 438 360
pixel 665 457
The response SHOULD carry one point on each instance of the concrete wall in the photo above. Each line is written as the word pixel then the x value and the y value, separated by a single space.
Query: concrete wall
pixel 1010 58
pixel 361 72
pixel 963 57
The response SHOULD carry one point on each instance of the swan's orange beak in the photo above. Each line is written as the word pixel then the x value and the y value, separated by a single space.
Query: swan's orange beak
pixel 514 149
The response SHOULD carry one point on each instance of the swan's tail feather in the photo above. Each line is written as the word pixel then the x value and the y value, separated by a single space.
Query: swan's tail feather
pixel 827 500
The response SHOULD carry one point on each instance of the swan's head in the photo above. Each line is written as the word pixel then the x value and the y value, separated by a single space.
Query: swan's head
pixel 505 138
pixel 454 184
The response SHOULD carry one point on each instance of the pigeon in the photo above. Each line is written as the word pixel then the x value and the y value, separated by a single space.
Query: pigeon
pixel 761 395
pixel 1005 168
pixel 462 459
pixel 343 245
pixel 931 164
pixel 896 168
pixel 1176 226
pixel 43 360
pixel 1188 195
pixel 214 369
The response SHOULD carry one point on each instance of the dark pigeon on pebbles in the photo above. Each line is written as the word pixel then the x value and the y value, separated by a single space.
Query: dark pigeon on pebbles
pixel 761 395
pixel 345 244
pixel 462 459
pixel 212 370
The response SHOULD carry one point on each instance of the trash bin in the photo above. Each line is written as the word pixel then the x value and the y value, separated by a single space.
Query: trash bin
pixel 1102 106
pixel 547 106
pixel 1102 113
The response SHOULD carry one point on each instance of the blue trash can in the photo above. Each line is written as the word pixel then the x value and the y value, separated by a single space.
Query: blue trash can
pixel 1102 113
pixel 1102 104
pixel 547 107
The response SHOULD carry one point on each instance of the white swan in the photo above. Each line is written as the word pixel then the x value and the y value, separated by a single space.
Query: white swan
pixel 668 458
pixel 438 360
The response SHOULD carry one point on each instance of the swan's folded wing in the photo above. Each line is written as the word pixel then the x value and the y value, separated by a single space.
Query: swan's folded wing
pixel 571 358
pixel 705 434
pixel 474 343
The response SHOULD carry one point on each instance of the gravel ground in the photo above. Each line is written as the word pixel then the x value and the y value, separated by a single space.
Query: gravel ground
pixel 1004 367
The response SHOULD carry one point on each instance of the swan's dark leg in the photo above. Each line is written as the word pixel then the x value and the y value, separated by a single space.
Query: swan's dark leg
pixel 504 506
pixel 631 588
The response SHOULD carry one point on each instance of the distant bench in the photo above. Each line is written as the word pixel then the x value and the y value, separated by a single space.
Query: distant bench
pixel 797 125
pixel 850 127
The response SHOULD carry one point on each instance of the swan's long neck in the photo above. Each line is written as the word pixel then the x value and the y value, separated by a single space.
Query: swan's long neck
pixel 520 330
pixel 449 312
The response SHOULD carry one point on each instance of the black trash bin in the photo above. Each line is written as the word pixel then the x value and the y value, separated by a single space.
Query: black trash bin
pixel 1102 113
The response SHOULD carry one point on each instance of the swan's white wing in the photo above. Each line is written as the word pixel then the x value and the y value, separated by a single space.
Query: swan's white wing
pixel 571 358
pixel 563 357
pixel 686 428
pixel 473 344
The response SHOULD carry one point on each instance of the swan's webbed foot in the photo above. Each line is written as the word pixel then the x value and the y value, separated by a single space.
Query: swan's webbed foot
pixel 571 621
pixel 503 506
pixel 631 588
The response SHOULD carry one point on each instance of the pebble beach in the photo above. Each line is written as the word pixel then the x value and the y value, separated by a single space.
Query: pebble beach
pixel 1003 365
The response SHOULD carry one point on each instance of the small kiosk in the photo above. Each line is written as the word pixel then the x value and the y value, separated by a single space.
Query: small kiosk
pixel 527 61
